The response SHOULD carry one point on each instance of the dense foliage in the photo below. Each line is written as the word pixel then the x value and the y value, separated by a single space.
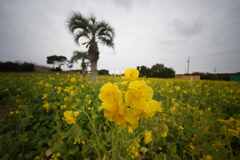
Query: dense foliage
pixel 217 76
pixel 157 70
pixel 56 61
pixel 58 116
pixel 103 72
pixel 77 56
pixel 16 67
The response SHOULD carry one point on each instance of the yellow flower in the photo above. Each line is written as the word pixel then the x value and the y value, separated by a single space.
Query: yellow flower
pixel 131 74
pixel 138 91
pixel 163 130
pixel 46 106
pixel 152 108
pixel 114 112
pixel 173 109
pixel 131 119
pixel 110 94
pixel 130 130
pixel 114 109
pixel 59 89
pixel 70 90
pixel 127 106
pixel 73 80
pixel 55 156
pixel 147 137
pixel 70 116
pixel 133 149
pixel 63 106
pixel 207 157
pixel 191 146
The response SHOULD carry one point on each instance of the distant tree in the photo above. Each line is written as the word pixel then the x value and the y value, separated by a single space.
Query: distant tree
pixel 56 60
pixel 159 70
pixel 89 32
pixel 51 60
pixel 103 72
pixel 16 67
pixel 144 71
pixel 77 55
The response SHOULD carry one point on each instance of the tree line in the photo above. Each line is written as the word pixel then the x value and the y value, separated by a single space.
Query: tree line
pixel 216 76
pixel 16 67
pixel 157 70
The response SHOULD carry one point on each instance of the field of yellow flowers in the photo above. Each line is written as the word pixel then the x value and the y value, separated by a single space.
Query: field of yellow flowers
pixel 63 116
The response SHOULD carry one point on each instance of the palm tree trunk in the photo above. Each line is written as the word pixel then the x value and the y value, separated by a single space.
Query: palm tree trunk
pixel 94 70
pixel 93 57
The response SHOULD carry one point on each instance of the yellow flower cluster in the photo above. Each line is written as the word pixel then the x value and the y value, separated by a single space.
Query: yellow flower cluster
pixel 134 149
pixel 207 157
pixel 127 107
pixel 45 102
pixel 58 89
pixel 147 137
pixel 70 116
pixel 163 130
pixel 73 80
pixel 71 90
pixel 131 74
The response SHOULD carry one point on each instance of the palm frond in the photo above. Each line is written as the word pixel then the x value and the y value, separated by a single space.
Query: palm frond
pixel 106 41
pixel 77 55
pixel 105 33
pixel 92 20
pixel 82 34
pixel 88 27
pixel 77 21
pixel 92 24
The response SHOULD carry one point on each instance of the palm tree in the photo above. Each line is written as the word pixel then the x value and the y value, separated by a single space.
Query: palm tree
pixel 89 32
pixel 77 55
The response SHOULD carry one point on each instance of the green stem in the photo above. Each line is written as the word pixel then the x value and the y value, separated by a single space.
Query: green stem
pixel 95 133
pixel 115 143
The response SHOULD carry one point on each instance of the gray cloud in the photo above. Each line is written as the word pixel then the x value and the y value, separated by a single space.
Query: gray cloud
pixel 187 29
pixel 124 3
pixel 147 32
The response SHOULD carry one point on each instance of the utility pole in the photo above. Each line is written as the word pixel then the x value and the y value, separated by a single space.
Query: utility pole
pixel 188 64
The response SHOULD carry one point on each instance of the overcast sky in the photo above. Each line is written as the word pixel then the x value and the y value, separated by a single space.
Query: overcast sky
pixel 147 32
